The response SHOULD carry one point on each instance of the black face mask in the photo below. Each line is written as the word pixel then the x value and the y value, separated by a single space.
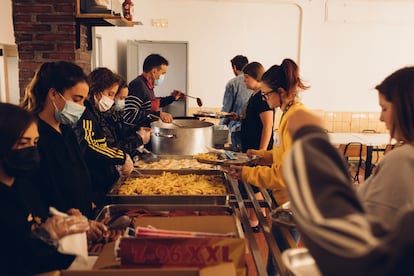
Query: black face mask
pixel 21 161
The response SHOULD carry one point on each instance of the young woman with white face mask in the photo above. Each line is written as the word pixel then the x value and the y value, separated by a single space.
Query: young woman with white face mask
pixel 56 97
pixel 104 161
pixel 117 135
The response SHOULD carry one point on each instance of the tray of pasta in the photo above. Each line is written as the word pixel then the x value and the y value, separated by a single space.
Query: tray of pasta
pixel 172 187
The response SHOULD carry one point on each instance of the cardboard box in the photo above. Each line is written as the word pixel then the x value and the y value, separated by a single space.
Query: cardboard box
pixel 108 265
pixel 200 252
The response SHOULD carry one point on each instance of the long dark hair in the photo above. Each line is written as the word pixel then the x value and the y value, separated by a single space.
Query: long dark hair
pixel 14 121
pixel 60 75
pixel 398 89
pixel 285 75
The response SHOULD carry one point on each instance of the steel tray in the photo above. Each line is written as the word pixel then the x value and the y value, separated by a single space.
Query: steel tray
pixel 222 199
pixel 115 210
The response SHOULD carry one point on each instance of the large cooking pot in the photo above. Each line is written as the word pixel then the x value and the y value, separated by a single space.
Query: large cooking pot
pixel 186 137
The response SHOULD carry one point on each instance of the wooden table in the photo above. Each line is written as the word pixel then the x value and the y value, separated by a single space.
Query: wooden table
pixel 373 141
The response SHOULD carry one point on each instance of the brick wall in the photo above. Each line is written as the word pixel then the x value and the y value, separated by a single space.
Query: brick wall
pixel 45 30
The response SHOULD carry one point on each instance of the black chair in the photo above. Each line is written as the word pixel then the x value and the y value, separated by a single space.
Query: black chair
pixel 354 153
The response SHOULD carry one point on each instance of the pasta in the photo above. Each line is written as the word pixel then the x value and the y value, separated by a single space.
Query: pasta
pixel 173 184
pixel 207 156
pixel 173 164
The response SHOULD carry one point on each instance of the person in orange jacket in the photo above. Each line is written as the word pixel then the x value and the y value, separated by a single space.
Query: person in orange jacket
pixel 280 85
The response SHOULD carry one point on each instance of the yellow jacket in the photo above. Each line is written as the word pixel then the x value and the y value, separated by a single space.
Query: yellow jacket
pixel 271 177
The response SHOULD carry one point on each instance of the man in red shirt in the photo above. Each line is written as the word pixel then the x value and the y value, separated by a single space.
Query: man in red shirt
pixel 141 100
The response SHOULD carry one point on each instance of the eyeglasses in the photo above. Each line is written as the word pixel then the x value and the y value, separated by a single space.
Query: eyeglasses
pixel 265 95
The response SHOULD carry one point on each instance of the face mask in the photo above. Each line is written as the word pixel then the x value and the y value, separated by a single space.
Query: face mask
pixel 21 161
pixel 160 80
pixel 119 105
pixel 104 104
pixel 70 114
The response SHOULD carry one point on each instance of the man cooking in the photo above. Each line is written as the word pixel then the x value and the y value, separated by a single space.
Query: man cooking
pixel 141 102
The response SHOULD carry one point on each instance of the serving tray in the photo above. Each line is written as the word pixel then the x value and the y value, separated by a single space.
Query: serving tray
pixel 174 199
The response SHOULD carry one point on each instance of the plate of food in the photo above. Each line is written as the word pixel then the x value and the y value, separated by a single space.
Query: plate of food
pixel 213 158
pixel 225 158
pixel 212 114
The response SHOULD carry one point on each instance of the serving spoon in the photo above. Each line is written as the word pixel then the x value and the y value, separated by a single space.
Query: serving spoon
pixel 199 101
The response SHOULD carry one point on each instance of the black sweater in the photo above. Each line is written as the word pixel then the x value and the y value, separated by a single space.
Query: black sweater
pixel 24 254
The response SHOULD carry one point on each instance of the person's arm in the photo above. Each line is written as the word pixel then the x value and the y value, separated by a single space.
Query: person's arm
pixel 137 105
pixel 136 111
pixel 228 99
pixel 164 101
pixel 95 147
pixel 266 118
pixel 263 176
pixel 327 213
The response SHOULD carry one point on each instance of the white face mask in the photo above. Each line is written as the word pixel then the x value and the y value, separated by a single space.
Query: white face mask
pixel 160 80
pixel 104 104
pixel 70 113
pixel 119 104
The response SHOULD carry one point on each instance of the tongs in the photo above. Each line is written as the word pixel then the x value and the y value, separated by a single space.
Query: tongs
pixel 148 156
pixel 152 116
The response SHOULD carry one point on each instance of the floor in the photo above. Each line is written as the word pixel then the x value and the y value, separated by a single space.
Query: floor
pixel 251 268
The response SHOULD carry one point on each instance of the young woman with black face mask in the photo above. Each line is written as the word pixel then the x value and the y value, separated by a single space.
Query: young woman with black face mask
pixel 56 97
pixel 29 236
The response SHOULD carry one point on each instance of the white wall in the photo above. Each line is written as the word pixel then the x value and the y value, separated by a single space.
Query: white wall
pixel 342 56
pixel 215 32
pixel 6 22
pixel 346 46
pixel 346 55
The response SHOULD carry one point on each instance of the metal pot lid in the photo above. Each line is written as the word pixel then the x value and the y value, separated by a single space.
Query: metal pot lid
pixel 182 123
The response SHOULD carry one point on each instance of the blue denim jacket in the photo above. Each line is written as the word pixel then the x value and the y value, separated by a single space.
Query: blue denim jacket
pixel 237 92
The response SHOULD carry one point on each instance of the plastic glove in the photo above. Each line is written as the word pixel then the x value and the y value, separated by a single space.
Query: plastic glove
pixel 127 167
pixel 145 133
pixel 74 211
pixel 60 226
pixel 96 231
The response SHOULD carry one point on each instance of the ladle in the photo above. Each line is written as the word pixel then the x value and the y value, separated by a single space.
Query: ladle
pixel 199 101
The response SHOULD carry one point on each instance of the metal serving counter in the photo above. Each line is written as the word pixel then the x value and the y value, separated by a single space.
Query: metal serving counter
pixel 231 203
pixel 274 250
